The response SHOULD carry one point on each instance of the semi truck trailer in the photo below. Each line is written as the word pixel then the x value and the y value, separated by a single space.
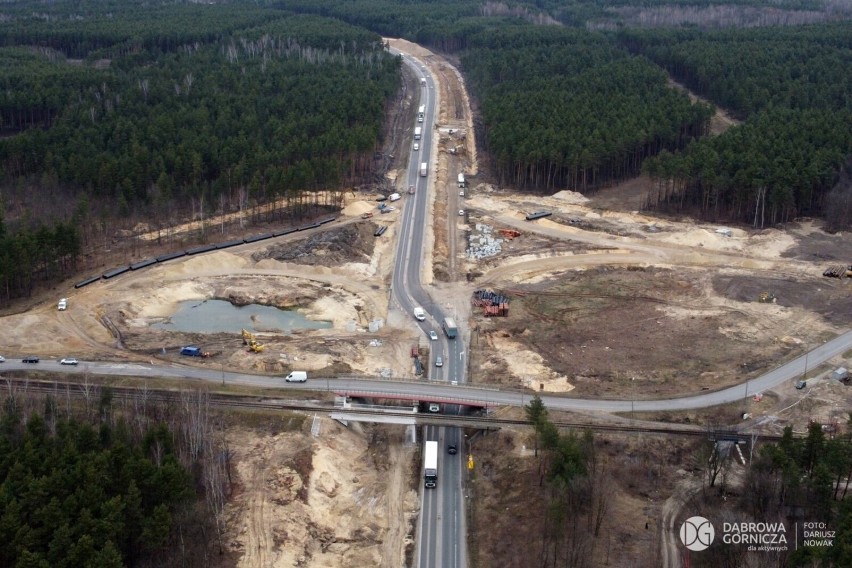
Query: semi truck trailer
pixel 430 465
pixel 424 169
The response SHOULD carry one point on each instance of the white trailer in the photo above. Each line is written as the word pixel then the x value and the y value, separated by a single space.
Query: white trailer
pixel 430 464
pixel 461 180
pixel 424 169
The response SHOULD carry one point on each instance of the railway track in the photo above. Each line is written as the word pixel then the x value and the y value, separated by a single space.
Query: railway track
pixel 255 402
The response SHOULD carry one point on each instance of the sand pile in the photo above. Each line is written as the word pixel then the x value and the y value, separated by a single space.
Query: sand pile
pixel 358 208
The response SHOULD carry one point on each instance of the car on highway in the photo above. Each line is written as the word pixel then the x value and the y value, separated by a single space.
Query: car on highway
pixel 434 407
pixel 30 359
pixel 68 361
pixel 461 212
pixel 2 359
pixel 416 146
pixel 452 449
pixel 461 193
pixel 439 361
pixel 432 335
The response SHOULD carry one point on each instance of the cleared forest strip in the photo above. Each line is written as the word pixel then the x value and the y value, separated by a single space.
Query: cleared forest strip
pixel 721 120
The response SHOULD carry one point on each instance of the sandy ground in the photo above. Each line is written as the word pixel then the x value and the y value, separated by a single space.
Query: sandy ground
pixel 352 509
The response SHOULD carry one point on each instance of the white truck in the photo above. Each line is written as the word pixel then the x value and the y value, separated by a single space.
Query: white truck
pixel 417 132
pixel 394 197
pixel 423 81
pixel 419 313
pixel 424 169
pixel 421 113
pixel 296 377
pixel 461 180
pixel 430 464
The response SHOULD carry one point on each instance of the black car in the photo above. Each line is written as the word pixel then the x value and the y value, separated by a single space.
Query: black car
pixel 30 359
pixel 451 449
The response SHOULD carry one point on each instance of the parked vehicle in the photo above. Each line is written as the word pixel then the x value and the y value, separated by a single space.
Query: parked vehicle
pixel 461 212
pixel 62 305
pixel 192 351
pixel 366 215
pixel 430 464
pixel 394 197
pixel 297 377
pixel 801 384
pixel 68 361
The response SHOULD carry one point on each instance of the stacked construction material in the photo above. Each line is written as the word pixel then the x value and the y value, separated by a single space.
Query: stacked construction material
pixel 492 303
pixel 838 271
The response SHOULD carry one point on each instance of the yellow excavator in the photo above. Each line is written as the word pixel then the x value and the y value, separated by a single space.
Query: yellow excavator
pixel 251 341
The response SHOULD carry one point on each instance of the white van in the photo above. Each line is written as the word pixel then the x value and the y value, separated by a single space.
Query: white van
pixel 420 313
pixel 296 377
pixel 62 305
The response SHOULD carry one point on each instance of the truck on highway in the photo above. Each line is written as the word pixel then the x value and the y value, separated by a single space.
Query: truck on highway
pixel 424 169
pixel 450 328
pixel 421 113
pixel 417 132
pixel 461 180
pixel 423 81
pixel 430 464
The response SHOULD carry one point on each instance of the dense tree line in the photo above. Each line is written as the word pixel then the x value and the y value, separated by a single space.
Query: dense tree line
pixel 112 29
pixel 77 494
pixel 174 109
pixel 793 90
pixel 34 256
pixel 566 108
pixel 778 165
pixel 89 480
pixel 746 71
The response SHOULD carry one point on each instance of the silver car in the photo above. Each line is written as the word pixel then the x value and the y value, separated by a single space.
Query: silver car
pixel 439 361
pixel 433 336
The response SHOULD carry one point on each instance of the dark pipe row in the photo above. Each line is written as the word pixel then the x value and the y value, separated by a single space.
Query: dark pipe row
pixel 197 250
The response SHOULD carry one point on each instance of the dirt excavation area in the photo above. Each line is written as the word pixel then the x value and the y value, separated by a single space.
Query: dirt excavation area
pixel 312 493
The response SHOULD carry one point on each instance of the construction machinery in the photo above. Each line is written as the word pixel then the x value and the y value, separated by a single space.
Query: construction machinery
pixel 767 298
pixel 250 340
